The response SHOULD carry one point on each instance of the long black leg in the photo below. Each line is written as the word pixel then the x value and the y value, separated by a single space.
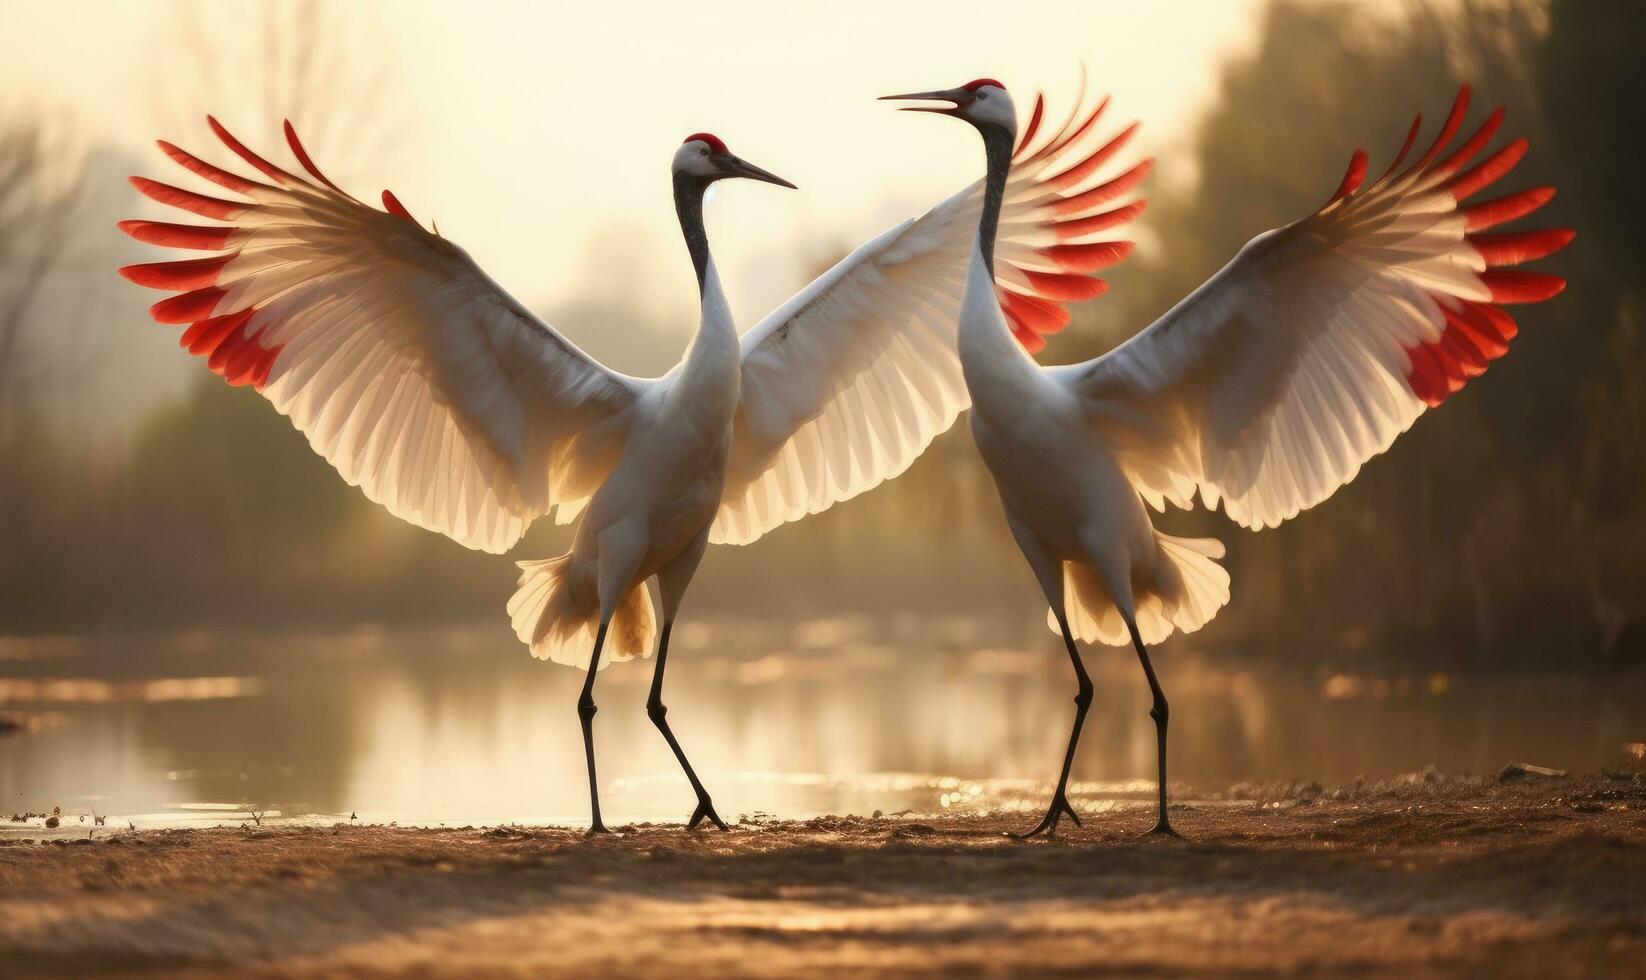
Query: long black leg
pixel 585 712
pixel 1082 701
pixel 658 712
pixel 1160 712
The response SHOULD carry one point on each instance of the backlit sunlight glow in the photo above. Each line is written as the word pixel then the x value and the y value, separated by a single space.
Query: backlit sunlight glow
pixel 529 162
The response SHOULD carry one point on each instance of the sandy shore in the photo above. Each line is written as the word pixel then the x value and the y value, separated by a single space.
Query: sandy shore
pixel 1417 877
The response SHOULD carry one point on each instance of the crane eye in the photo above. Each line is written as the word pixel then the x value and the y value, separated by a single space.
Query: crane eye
pixel 703 152
pixel 981 96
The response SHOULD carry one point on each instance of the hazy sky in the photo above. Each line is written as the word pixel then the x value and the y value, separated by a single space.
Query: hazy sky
pixel 538 135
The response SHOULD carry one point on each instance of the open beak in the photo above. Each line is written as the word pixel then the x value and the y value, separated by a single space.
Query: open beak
pixel 958 96
pixel 738 167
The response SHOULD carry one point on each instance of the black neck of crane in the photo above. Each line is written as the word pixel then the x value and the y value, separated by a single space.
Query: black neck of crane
pixel 997 149
pixel 688 204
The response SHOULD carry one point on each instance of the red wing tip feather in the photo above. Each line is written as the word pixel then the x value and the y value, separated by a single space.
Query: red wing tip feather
pixel 1352 177
pixel 187 307
pixel 178 276
pixel 1515 247
pixel 1065 136
pixel 1488 171
pixel 203 336
pixel 1087 258
pixel 1488 328
pixel 1499 210
pixel 206 207
pixel 1520 286
pixel 303 157
pixel 392 205
pixel 1031 341
pixel 177 236
pixel 1103 193
pixel 1473 144
pixel 240 150
pixel 241 360
pixel 1041 316
pixel 1080 227
pixel 1454 119
pixel 1064 286
pixel 202 169
pixel 1428 378
pixel 1474 335
pixel 1405 146
pixel 1033 126
pixel 1085 168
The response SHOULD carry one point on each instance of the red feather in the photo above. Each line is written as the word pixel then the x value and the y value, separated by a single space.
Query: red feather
pixel 177 236
pixel 1482 333
pixel 304 159
pixel 1086 167
pixel 1352 178
pixel 1036 314
pixel 1086 258
pixel 207 207
pixel 178 276
pixel 268 169
pixel 1427 379
pixel 1470 358
pixel 1066 136
pixel 201 168
pixel 1467 151
pixel 392 205
pixel 1520 286
pixel 1454 119
pixel 1515 247
pixel 1034 125
pixel 1499 321
pixel 1488 170
pixel 1405 146
pixel 1062 286
pixel 187 307
pixel 1490 214
pixel 203 336
pixel 1100 222
pixel 1103 193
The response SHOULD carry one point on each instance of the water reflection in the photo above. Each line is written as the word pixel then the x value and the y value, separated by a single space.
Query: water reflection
pixel 836 715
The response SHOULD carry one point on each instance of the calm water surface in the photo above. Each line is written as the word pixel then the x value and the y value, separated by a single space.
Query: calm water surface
pixel 460 726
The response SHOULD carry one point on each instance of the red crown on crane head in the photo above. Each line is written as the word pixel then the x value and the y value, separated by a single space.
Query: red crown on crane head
pixel 714 141
pixel 977 83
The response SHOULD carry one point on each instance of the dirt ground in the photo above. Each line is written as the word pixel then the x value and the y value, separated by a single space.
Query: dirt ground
pixel 1420 876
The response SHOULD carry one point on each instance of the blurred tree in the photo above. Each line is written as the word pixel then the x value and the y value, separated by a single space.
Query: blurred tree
pixel 304 60
pixel 39 189
pixel 1590 74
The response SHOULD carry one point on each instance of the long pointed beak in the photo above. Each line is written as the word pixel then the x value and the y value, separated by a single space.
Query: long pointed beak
pixel 958 96
pixel 738 167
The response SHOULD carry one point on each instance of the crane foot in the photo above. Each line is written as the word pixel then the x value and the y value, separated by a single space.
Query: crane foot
pixel 705 811
pixel 1048 824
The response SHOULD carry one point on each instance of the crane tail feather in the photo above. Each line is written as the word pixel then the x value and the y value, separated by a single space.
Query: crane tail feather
pixel 555 610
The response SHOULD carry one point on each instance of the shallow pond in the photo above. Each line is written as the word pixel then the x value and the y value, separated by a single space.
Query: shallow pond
pixel 460 726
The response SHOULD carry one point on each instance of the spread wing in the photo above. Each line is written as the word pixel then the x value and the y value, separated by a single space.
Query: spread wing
pixel 850 380
pixel 409 370
pixel 1270 385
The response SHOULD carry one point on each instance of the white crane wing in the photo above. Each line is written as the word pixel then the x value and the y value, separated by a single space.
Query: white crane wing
pixel 1305 356
pixel 409 370
pixel 849 381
